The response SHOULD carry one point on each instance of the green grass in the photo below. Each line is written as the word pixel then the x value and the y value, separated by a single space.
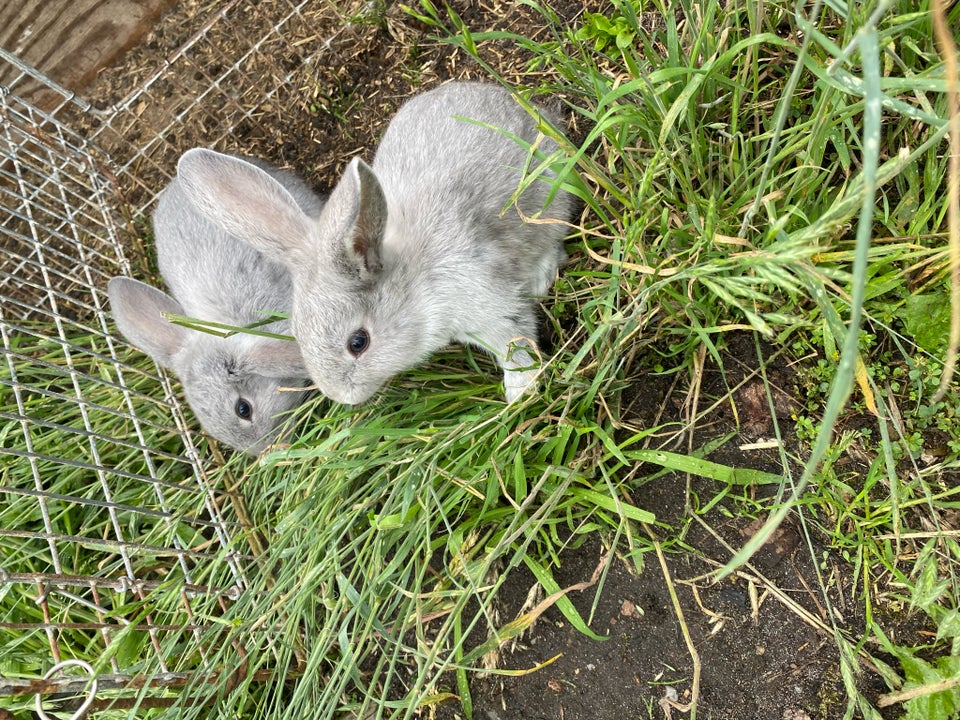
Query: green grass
pixel 736 178
pixel 101 489
pixel 748 168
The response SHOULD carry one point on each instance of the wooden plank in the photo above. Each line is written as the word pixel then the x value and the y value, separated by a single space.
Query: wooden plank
pixel 72 40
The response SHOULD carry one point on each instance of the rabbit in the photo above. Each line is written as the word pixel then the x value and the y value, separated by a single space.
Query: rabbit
pixel 420 249
pixel 232 384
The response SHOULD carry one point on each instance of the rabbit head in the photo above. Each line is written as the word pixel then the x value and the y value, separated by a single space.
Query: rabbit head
pixel 233 384
pixel 357 323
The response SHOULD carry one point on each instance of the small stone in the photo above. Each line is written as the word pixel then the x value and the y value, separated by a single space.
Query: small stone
pixel 629 609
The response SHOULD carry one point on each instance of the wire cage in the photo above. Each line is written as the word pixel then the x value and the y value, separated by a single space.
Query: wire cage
pixel 114 540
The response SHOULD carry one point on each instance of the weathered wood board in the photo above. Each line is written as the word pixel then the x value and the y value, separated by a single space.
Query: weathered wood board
pixel 71 40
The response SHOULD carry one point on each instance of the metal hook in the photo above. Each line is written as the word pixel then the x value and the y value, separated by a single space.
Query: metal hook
pixel 91 693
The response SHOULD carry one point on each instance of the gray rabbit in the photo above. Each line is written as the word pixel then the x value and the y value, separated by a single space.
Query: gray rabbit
pixel 421 249
pixel 232 384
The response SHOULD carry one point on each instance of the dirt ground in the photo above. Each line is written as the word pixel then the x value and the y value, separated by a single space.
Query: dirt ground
pixel 762 642
pixel 762 638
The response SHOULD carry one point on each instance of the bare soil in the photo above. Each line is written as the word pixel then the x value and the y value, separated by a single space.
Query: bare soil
pixel 759 641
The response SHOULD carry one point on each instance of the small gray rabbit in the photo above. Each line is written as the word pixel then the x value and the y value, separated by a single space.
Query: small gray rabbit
pixel 232 384
pixel 421 249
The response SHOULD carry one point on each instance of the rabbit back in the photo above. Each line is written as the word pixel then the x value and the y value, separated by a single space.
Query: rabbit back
pixel 441 166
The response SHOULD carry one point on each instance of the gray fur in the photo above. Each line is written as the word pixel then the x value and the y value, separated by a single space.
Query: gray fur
pixel 417 250
pixel 213 276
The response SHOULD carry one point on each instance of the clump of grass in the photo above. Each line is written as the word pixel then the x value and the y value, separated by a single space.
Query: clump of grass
pixel 748 178
pixel 396 524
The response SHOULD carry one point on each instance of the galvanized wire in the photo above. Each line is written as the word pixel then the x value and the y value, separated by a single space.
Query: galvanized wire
pixel 68 383
pixel 86 423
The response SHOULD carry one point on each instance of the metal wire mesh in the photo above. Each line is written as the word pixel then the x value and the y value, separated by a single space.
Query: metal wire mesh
pixel 103 502
pixel 231 85
pixel 113 540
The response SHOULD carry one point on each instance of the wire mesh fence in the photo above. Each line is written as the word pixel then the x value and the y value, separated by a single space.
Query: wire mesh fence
pixel 116 547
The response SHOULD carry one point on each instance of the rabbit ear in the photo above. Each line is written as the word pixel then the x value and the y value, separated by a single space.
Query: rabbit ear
pixel 245 202
pixel 360 191
pixel 137 309
pixel 277 359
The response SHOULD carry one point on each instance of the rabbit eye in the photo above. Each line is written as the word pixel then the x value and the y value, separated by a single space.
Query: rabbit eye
pixel 358 342
pixel 243 409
